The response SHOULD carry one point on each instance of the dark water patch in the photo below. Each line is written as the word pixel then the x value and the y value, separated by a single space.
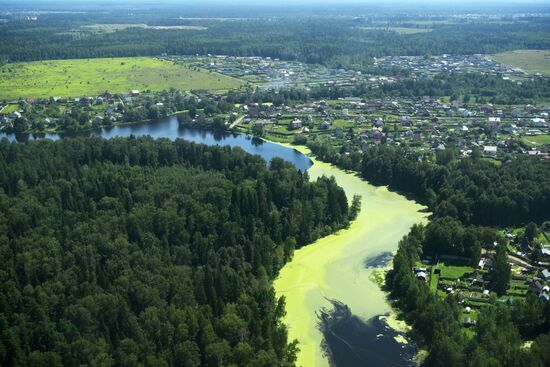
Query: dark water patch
pixel 349 341
pixel 379 260
pixel 170 128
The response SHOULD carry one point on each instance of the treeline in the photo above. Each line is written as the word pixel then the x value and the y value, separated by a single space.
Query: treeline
pixel 471 190
pixel 486 88
pixel 480 88
pixel 328 40
pixel 141 252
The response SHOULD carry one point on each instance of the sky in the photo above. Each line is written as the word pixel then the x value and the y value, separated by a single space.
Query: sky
pixel 293 5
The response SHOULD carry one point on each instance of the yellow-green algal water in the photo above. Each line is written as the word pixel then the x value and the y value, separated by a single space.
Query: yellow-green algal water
pixel 333 267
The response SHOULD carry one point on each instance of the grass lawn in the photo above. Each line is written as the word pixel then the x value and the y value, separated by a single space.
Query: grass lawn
pixel 534 61
pixel 434 280
pixel 9 109
pixel 536 140
pixel 454 272
pixel 90 77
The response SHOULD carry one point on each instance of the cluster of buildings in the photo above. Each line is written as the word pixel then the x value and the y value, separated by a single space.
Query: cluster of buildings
pixel 273 73
pixel 91 112
pixel 454 275
pixel 423 67
pixel 425 124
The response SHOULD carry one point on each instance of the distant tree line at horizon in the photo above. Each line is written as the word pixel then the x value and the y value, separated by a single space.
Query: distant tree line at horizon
pixel 334 42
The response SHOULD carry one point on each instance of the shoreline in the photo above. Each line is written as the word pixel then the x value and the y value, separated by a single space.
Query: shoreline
pixel 304 280
pixel 62 132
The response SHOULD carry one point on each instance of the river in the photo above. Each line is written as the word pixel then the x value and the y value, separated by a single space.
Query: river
pixel 334 268
pixel 332 271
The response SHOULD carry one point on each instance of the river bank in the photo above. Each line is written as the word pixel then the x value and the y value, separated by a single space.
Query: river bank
pixel 333 268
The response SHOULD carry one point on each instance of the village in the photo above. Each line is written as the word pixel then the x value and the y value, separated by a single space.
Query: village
pixel 425 125
pixel 275 73
pixel 528 255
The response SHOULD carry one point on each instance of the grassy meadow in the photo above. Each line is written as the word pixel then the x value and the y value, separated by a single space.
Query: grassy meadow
pixel 89 77
pixel 533 61
pixel 536 140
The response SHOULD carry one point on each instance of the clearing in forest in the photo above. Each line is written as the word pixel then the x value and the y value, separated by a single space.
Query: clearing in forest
pixel 532 61
pixel 90 77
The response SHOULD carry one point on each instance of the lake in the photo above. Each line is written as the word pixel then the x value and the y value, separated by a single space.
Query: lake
pixel 170 128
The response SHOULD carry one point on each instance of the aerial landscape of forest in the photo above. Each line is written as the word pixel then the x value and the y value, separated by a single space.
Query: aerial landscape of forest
pixel 294 183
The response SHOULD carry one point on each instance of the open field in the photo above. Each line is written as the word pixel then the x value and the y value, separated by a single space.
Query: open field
pixel 88 77
pixel 533 61
pixel 536 140
pixel 400 30
pixel 110 28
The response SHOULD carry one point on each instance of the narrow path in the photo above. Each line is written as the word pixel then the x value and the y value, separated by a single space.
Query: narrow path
pixel 236 122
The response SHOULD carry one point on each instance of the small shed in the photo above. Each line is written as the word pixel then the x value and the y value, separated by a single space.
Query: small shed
pixel 421 275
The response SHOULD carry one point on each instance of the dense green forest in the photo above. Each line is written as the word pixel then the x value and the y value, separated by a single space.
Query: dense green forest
pixel 142 252
pixel 465 196
pixel 472 190
pixel 332 41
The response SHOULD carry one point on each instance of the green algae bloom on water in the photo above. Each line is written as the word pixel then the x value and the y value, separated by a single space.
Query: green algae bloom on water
pixel 333 268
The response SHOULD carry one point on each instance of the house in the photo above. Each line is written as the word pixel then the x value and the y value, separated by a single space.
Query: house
pixel 378 122
pixel 545 274
pixel 295 124
pixel 468 322
pixel 487 108
pixel 481 264
pixel 378 135
pixel 422 276
pixel 134 93
pixel 494 123
pixel 544 297
pixel 325 125
pixel 490 150
pixel 535 286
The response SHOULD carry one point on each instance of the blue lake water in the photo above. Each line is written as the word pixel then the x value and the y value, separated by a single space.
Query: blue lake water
pixel 170 128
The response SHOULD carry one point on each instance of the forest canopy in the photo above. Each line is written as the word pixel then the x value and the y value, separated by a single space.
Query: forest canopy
pixel 142 252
